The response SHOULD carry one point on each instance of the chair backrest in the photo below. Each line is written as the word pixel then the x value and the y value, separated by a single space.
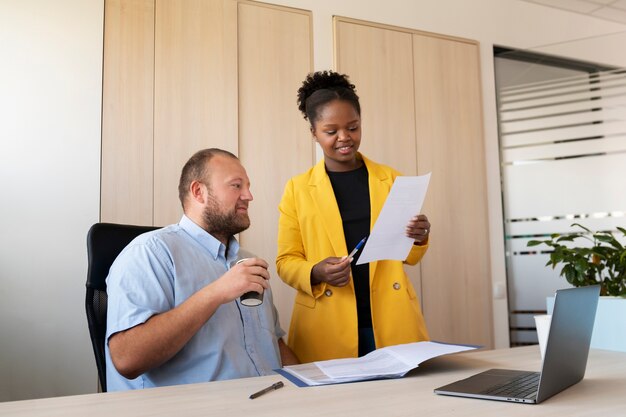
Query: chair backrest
pixel 104 242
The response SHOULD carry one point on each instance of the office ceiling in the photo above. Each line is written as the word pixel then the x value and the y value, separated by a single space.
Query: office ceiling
pixel 613 10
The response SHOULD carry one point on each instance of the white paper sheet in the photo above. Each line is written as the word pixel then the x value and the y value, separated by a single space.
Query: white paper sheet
pixel 388 362
pixel 388 239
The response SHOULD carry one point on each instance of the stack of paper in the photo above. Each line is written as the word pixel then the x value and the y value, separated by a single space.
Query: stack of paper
pixel 388 362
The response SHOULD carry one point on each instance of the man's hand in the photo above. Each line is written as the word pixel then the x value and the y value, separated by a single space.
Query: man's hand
pixel 248 275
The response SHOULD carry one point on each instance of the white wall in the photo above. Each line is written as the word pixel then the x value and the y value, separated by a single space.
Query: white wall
pixel 50 95
pixel 50 105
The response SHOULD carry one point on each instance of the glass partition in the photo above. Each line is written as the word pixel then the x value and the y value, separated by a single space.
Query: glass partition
pixel 562 129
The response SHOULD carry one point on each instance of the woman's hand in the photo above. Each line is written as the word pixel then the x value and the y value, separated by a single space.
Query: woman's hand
pixel 332 270
pixel 418 229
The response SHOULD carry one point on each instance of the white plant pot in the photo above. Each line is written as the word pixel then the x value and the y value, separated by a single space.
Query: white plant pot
pixel 609 329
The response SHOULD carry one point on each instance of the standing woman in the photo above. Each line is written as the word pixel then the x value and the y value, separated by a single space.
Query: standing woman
pixel 342 309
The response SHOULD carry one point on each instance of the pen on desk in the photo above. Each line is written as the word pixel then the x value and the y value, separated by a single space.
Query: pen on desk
pixel 272 387
pixel 358 246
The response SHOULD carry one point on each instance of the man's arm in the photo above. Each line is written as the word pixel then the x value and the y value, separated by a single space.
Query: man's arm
pixel 137 350
pixel 287 357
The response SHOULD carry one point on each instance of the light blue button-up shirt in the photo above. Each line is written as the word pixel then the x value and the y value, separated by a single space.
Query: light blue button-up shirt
pixel 160 270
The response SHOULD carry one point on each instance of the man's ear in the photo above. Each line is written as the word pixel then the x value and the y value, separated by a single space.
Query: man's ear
pixel 197 191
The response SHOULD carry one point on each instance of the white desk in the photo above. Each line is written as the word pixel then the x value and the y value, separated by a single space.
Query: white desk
pixel 601 393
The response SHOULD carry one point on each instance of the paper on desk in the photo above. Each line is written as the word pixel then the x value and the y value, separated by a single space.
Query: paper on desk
pixel 388 362
pixel 388 239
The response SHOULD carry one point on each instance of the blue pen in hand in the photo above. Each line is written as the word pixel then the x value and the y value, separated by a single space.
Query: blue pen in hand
pixel 358 246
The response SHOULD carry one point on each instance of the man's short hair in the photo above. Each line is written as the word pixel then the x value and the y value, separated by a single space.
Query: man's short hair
pixel 196 169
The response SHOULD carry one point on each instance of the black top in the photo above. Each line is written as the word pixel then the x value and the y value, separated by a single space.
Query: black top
pixel 353 198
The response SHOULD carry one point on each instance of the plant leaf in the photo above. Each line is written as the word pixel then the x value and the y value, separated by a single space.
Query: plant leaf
pixel 604 238
pixel 581 226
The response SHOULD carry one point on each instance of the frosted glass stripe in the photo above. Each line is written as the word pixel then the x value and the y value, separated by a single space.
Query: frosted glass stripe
pixel 564 80
pixel 566 133
pixel 532 278
pixel 519 246
pixel 587 105
pixel 568 149
pixel 561 99
pixel 595 89
pixel 581 185
pixel 610 114
pixel 523 320
pixel 563 225
pixel 583 77
pixel 583 84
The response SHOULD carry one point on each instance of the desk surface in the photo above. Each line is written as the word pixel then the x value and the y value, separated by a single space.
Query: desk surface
pixel 601 392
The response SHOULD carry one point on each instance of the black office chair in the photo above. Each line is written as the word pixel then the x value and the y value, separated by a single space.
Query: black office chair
pixel 104 242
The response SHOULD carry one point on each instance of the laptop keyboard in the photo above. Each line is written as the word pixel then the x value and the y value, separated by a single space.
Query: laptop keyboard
pixel 523 387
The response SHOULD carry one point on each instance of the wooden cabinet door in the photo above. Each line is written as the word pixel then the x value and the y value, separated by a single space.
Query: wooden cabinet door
pixel 456 281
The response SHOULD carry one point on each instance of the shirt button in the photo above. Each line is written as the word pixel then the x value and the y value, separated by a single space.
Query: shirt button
pixel 328 293
pixel 396 286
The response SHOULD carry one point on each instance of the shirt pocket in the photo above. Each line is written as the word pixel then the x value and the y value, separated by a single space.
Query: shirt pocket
pixel 260 317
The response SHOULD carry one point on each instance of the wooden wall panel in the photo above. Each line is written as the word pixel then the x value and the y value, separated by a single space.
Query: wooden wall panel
pixel 127 97
pixel 456 282
pixel 274 141
pixel 379 62
pixel 195 103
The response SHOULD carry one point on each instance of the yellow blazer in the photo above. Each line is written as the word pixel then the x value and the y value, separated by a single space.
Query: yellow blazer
pixel 324 321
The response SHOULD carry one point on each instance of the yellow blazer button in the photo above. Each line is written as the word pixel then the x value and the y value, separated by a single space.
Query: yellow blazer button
pixel 328 293
pixel 396 286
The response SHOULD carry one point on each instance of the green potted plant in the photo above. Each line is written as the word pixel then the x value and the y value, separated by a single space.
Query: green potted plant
pixel 604 262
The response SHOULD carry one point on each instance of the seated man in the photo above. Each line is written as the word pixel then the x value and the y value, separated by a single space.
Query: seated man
pixel 174 314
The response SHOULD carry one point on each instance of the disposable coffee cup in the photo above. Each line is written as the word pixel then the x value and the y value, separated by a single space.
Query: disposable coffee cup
pixel 542 323
pixel 250 298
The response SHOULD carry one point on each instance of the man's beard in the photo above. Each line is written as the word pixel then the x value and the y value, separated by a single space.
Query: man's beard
pixel 221 223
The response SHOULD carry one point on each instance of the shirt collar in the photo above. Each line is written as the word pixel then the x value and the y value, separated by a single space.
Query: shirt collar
pixel 216 248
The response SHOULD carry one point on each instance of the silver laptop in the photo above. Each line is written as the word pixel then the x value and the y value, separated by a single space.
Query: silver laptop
pixel 564 361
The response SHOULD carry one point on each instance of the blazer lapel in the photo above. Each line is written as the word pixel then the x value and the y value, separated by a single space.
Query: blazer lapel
pixel 379 189
pixel 323 197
